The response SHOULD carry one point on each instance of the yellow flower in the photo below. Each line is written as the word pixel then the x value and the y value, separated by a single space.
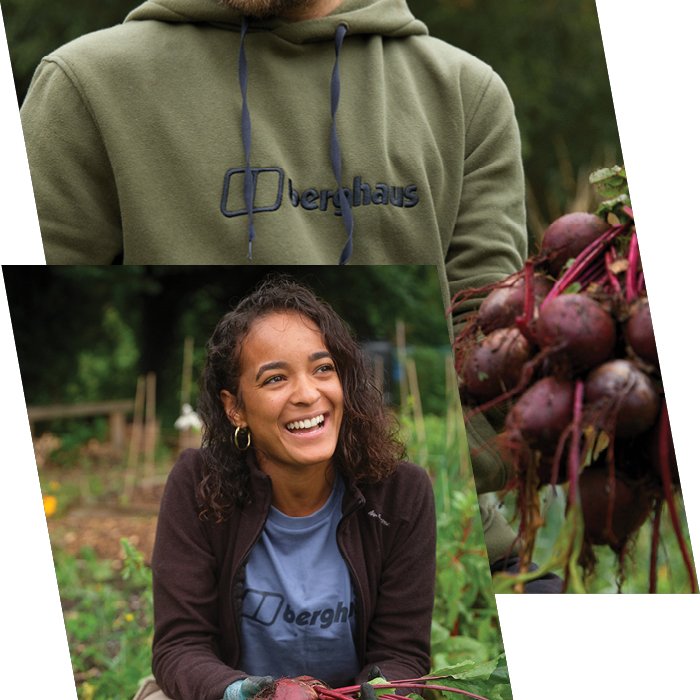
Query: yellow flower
pixel 50 505
pixel 129 617
pixel 87 691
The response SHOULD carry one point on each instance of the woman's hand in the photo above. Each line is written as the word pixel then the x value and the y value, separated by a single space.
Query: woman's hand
pixel 247 688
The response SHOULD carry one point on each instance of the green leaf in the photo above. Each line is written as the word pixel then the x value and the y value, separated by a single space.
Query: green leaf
pixel 468 669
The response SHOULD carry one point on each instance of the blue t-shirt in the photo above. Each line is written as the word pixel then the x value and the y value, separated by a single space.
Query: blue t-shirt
pixel 298 604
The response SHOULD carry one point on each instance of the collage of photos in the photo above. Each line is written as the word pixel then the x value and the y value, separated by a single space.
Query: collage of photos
pixel 342 357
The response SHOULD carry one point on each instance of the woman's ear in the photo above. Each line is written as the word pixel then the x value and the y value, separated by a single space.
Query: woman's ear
pixel 232 409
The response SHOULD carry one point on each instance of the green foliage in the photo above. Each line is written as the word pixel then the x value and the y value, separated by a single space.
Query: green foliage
pixel 75 433
pixel 553 553
pixel 108 620
pixel 611 185
pixel 488 679
pixel 430 368
pixel 465 621
pixel 35 29
pixel 550 55
pixel 95 371
pixel 115 323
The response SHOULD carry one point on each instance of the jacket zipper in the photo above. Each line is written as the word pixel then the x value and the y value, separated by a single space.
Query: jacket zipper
pixel 362 606
pixel 234 578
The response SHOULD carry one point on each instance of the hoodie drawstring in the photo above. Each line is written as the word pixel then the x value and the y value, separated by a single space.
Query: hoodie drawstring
pixel 336 160
pixel 335 153
pixel 246 136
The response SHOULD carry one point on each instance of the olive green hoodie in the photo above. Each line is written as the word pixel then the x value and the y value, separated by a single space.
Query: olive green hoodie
pixel 137 152
pixel 139 147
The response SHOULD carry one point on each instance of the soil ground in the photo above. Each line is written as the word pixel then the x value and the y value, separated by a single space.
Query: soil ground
pixel 101 529
pixel 98 518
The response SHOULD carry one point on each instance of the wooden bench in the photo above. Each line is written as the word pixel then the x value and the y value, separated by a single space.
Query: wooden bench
pixel 115 410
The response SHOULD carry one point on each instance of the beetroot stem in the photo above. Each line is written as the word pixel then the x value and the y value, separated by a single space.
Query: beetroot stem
pixel 632 268
pixel 398 685
pixel 656 532
pixel 664 446
pixel 588 254
pixel 523 321
pixel 331 693
pixel 612 279
pixel 558 452
pixel 592 274
pixel 407 684
pixel 574 463
pixel 349 689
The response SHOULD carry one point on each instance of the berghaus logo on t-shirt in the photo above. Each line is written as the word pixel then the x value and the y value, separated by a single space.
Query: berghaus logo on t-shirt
pixel 266 608
pixel 268 189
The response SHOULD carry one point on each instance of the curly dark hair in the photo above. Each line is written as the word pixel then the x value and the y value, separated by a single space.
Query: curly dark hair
pixel 368 447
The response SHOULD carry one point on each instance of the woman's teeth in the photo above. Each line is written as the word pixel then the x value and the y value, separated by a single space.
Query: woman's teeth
pixel 305 424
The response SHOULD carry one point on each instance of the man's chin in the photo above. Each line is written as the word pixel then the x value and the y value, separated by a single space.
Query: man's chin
pixel 264 9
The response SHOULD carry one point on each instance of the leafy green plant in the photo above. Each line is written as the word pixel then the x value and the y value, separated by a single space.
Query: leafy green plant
pixel 488 679
pixel 108 616
pixel 466 640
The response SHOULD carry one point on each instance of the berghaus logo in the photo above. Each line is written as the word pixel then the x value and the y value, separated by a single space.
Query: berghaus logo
pixel 269 190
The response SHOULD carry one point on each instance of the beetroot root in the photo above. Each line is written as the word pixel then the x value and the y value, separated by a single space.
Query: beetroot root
pixel 505 303
pixel 612 518
pixel 568 235
pixel 626 396
pixel 639 332
pixel 542 413
pixel 288 689
pixel 578 328
pixel 495 364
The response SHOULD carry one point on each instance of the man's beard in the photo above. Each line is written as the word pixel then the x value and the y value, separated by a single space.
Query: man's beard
pixel 266 8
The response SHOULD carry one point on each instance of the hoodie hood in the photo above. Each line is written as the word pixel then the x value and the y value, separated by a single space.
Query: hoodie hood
pixel 386 18
pixel 390 18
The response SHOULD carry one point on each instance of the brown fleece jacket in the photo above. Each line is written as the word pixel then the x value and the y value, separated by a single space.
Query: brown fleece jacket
pixel 386 536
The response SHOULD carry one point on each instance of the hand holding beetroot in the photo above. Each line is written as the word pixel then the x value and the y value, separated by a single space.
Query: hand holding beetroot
pixel 311 689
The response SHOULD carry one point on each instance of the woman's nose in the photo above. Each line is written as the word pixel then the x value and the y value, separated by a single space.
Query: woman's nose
pixel 305 390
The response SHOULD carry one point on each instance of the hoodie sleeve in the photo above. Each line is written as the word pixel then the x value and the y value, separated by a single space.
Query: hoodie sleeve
pixel 488 244
pixel 74 186
pixel 489 241
pixel 186 655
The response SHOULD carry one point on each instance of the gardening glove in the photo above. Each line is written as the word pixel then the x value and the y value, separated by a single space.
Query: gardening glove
pixel 374 677
pixel 499 536
pixel 547 583
pixel 247 688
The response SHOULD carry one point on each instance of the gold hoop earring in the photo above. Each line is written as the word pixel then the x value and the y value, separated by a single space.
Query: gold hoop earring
pixel 236 441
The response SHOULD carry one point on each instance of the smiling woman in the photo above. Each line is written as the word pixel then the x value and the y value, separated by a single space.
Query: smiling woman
pixel 295 542
pixel 291 399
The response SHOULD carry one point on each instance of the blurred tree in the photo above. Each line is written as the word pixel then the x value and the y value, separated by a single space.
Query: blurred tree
pixel 550 54
pixel 36 28
pixel 85 333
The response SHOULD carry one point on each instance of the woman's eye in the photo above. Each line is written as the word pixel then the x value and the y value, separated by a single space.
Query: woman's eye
pixel 273 380
pixel 325 368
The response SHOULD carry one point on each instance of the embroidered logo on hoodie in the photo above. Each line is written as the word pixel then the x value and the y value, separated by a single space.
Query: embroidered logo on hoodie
pixel 268 191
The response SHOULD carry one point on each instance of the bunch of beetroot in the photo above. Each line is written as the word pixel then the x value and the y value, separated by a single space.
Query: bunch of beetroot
pixel 306 688
pixel 565 350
